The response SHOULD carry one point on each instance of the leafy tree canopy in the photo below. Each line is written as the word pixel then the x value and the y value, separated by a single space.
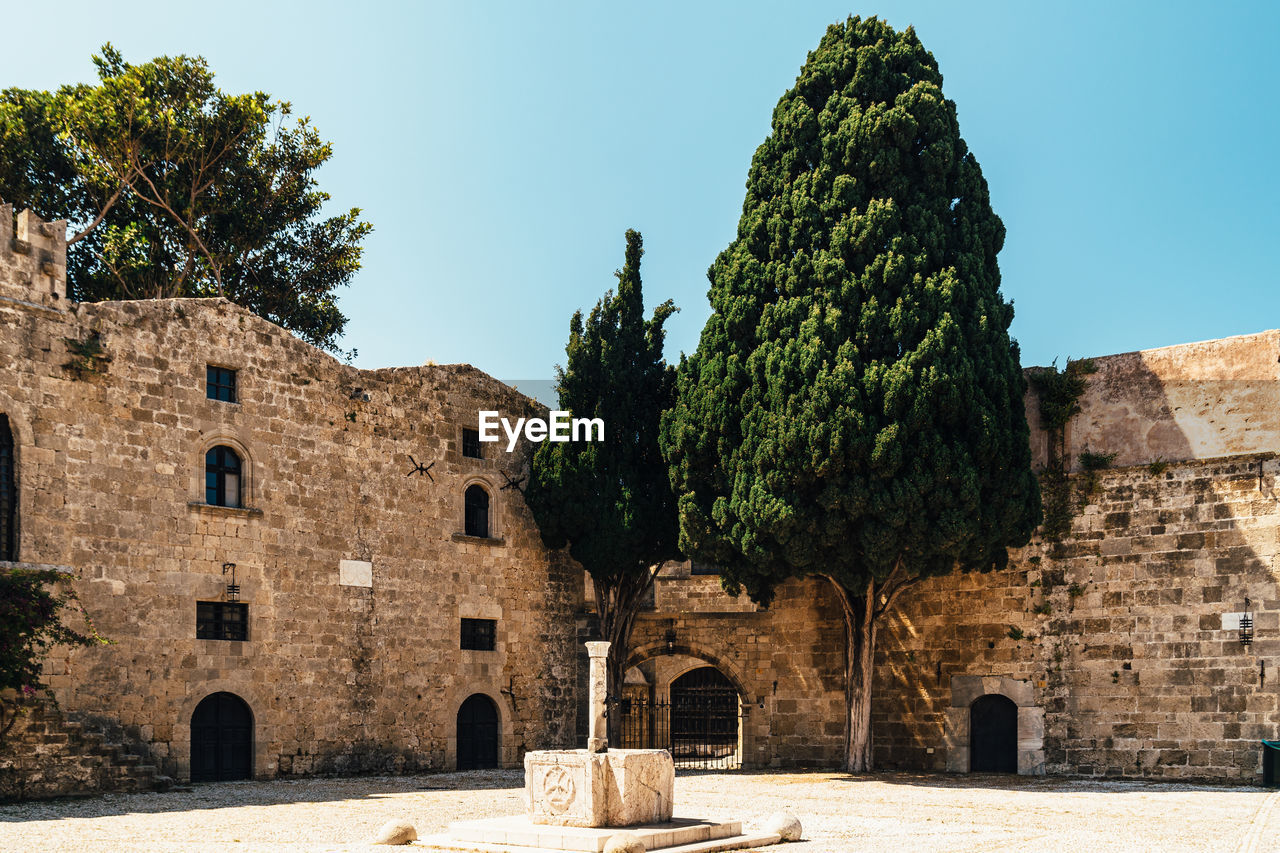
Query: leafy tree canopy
pixel 32 605
pixel 854 407
pixel 175 188
pixel 611 501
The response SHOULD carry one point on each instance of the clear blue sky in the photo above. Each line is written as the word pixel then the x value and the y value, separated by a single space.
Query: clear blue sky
pixel 501 149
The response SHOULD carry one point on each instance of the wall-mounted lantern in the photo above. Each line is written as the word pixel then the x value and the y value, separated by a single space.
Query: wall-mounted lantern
pixel 233 588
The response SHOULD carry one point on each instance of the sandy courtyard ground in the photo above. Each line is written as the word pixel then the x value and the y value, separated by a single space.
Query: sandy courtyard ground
pixel 883 813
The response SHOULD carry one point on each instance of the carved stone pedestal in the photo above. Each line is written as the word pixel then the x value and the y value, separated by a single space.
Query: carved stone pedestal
pixel 622 787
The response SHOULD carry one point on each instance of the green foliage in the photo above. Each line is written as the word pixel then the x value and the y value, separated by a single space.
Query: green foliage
pixel 1158 466
pixel 1091 461
pixel 1059 391
pixel 32 603
pixel 855 403
pixel 1075 590
pixel 1044 608
pixel 88 356
pixel 610 501
pixel 175 188
pixel 1015 633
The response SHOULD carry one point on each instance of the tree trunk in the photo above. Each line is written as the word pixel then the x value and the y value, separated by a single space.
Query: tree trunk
pixel 862 614
pixel 860 649
pixel 616 607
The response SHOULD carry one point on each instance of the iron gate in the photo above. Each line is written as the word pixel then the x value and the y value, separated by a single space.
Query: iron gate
pixel 701 724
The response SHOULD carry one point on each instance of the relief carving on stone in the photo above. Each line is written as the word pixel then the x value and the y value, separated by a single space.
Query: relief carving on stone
pixel 558 789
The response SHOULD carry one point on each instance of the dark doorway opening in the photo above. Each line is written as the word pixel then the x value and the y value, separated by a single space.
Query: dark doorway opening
pixel 221 739
pixel 993 735
pixel 477 733
pixel 704 716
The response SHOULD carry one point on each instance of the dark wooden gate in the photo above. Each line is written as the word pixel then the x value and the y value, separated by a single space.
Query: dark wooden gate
pixel 700 724
pixel 221 739
pixel 993 735
pixel 477 733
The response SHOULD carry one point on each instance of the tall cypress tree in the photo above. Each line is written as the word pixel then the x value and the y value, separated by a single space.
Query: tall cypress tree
pixel 611 501
pixel 854 408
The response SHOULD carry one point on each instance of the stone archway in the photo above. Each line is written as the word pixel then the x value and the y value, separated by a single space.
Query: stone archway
pixel 696 706
pixel 966 690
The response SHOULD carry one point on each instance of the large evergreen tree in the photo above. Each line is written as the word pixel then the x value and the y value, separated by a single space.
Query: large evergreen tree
pixel 854 408
pixel 173 187
pixel 611 501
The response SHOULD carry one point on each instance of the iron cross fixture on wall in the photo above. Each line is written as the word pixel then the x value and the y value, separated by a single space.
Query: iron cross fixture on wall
pixel 420 469
pixel 513 483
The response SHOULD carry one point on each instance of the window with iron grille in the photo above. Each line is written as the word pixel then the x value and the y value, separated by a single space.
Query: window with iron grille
pixel 222 477
pixel 220 383
pixel 479 634
pixel 471 444
pixel 8 494
pixel 222 620
pixel 476 512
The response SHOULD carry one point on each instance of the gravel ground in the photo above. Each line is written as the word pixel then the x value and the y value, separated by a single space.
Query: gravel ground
pixel 884 813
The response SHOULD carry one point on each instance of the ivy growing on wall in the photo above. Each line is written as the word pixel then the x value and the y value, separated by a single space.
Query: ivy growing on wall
pixel 1059 393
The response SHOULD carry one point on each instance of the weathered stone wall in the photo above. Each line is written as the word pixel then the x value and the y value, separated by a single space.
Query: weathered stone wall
pixel 1192 401
pixel 1118 645
pixel 787 662
pixel 1111 644
pixel 338 677
pixel 45 755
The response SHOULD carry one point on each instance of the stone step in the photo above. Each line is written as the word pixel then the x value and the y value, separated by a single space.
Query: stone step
pixel 686 835
pixel 733 842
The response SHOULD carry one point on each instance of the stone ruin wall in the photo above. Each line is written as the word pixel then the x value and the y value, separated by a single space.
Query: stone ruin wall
pixel 1113 643
pixel 340 678
pixel 787 662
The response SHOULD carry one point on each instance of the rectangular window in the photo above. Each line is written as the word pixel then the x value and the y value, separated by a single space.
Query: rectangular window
pixel 479 634
pixel 220 384
pixel 471 444
pixel 222 620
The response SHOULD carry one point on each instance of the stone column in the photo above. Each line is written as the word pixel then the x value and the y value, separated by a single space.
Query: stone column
pixel 598 735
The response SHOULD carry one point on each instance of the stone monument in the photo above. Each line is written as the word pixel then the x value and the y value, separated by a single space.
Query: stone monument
pixel 577 798
pixel 597 786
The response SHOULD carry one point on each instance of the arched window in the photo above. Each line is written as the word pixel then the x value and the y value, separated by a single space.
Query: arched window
pixel 8 494
pixel 222 477
pixel 476 513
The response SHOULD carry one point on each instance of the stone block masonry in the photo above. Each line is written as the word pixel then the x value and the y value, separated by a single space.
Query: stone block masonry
pixel 355 573
pixel 1120 646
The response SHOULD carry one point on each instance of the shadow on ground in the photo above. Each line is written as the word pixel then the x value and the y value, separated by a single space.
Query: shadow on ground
pixel 221 795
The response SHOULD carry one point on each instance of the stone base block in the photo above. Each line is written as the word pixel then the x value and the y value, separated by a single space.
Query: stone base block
pixel 621 787
pixel 521 835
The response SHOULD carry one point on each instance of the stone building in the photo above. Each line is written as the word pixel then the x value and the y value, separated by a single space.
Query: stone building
pixel 308 568
pixel 1144 644
pixel 302 567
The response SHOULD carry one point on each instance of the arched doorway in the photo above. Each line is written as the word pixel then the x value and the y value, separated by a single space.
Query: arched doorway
pixel 221 739
pixel 993 735
pixel 477 733
pixel 704 716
